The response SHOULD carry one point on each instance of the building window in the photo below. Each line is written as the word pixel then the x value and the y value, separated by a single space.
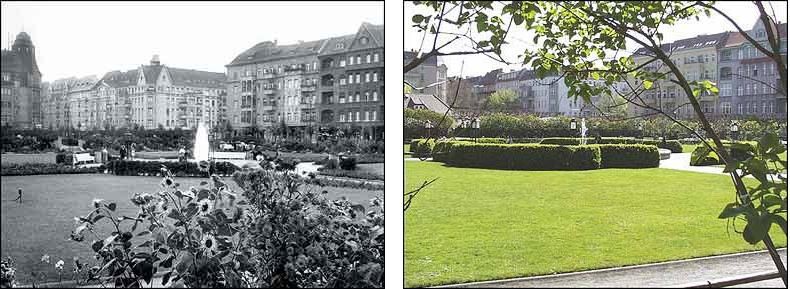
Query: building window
pixel 367 77
pixel 343 81
pixel 351 60
pixel 725 108
pixel 367 96
pixel 376 57
pixel 350 78
pixel 356 97
pixel 375 76
pixel 350 117
pixel 373 118
pixel 356 116
pixel 375 95
pixel 342 63
pixel 726 89
pixel 754 69
pixel 740 90
pixel 359 76
pixel 359 59
pixel 367 58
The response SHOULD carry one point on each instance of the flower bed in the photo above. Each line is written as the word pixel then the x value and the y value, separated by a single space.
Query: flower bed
pixel 47 169
pixel 153 168
pixel 350 174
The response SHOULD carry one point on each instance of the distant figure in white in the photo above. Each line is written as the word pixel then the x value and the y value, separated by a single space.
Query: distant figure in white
pixel 200 151
pixel 584 132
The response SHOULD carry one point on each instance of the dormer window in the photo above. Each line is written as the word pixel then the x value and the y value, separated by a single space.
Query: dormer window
pixel 339 46
pixel 363 40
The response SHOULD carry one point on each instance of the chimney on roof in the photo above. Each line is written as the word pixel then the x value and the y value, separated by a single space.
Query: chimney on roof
pixel 155 59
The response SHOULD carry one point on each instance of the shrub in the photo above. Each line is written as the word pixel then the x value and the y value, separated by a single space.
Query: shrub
pixel 524 156
pixel 64 158
pixel 414 123
pixel 348 162
pixel 422 147
pixel 47 169
pixel 7 273
pixel 306 240
pixel 704 156
pixel 628 156
pixel 153 168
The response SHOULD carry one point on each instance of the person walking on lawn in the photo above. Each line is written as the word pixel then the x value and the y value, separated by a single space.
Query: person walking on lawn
pixel 20 195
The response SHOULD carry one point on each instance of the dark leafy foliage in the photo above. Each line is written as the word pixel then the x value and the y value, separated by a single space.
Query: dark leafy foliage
pixel 628 156
pixel 47 169
pixel 180 169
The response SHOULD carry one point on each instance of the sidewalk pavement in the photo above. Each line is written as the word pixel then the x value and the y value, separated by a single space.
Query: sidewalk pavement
pixel 666 274
pixel 681 161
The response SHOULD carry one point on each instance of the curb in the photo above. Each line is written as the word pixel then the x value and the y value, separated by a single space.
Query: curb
pixel 615 269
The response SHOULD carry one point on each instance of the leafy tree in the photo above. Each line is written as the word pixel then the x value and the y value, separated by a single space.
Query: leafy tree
pixel 585 40
pixel 504 100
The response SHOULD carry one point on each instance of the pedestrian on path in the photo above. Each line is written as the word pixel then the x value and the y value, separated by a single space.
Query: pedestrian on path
pixel 20 195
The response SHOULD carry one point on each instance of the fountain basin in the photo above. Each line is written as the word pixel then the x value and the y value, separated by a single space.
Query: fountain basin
pixel 664 154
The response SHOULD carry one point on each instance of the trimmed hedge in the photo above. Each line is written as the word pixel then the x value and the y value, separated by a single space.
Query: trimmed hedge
pixel 179 169
pixel 703 156
pixel 46 169
pixel 672 145
pixel 523 156
pixel 629 156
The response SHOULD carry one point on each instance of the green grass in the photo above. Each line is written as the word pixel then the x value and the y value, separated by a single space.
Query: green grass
pixel 478 224
pixel 406 150
pixel 42 158
pixel 687 148
pixel 42 222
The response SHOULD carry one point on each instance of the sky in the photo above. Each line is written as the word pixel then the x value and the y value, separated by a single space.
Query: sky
pixel 78 39
pixel 743 12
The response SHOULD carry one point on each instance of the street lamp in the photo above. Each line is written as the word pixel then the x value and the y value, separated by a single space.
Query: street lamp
pixel 734 130
pixel 573 127
pixel 641 129
pixel 428 127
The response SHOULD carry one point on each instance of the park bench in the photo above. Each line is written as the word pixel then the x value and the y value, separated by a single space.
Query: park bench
pixel 83 158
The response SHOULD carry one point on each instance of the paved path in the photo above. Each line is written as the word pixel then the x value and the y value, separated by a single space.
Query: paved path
pixel 681 161
pixel 667 274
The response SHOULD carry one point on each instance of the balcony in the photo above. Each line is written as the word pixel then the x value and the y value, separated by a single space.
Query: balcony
pixel 308 88
pixel 269 91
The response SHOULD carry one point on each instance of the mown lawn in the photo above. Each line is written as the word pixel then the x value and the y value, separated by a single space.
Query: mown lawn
pixel 687 148
pixel 478 224
pixel 406 150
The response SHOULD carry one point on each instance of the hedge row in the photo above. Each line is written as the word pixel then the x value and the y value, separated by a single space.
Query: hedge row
pixel 704 156
pixel 179 169
pixel 672 145
pixel 629 156
pixel 523 156
pixel 46 169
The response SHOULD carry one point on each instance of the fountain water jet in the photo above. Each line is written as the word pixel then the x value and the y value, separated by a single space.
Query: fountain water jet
pixel 201 149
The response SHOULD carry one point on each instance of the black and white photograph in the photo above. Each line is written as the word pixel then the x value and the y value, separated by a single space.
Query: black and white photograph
pixel 192 144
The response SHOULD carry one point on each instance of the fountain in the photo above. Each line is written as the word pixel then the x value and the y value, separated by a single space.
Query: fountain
pixel 584 132
pixel 201 149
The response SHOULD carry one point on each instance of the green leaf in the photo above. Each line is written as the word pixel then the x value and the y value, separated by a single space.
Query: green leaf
pixel 417 18
pixel 518 19
pixel 648 84
pixel 731 210
pixel 772 200
pixel 595 75
pixel 756 229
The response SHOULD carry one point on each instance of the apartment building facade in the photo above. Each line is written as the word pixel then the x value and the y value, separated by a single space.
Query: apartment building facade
pixel 305 86
pixel 151 96
pixel 351 88
pixel 20 101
